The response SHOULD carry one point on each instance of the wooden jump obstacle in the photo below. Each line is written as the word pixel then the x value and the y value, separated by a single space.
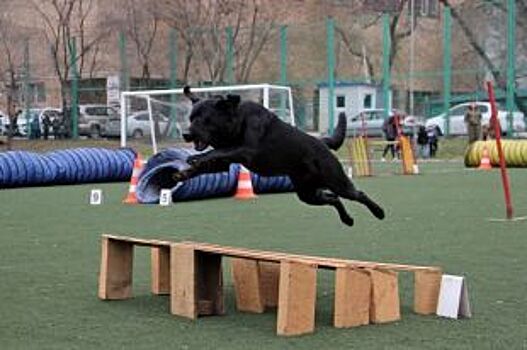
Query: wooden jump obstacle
pixel 359 149
pixel 191 272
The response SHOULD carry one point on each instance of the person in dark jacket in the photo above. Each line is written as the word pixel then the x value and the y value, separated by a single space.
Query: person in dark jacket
pixel 46 124
pixel 422 142
pixel 390 133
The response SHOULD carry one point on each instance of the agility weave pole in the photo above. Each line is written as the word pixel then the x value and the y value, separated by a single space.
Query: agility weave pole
pixel 191 272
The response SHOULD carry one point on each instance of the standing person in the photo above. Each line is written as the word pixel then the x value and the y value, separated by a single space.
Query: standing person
pixel 422 141
pixel 432 134
pixel 56 128
pixel 390 133
pixel 473 123
pixel 46 123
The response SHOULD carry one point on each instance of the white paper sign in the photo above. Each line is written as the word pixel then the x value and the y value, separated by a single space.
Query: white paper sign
pixel 165 198
pixel 96 197
pixel 453 297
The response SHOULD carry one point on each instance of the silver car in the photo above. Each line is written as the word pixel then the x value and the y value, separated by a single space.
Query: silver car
pixel 138 125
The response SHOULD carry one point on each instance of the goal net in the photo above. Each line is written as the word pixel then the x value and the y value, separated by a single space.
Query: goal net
pixel 160 117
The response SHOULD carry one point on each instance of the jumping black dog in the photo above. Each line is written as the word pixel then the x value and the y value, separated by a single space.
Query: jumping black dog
pixel 247 133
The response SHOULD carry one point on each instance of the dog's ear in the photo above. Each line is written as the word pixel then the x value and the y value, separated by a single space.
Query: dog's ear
pixel 230 103
pixel 190 95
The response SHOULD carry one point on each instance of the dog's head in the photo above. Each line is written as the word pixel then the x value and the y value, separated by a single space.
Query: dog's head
pixel 213 122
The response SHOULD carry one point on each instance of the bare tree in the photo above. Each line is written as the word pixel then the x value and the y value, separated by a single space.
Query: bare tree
pixel 202 26
pixel 11 52
pixel 63 21
pixel 471 36
pixel 141 25
pixel 355 40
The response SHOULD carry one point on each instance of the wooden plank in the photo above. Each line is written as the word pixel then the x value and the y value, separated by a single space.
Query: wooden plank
pixel 246 280
pixel 160 270
pixel 209 283
pixel 323 262
pixel 352 298
pixel 183 294
pixel 139 241
pixel 426 291
pixel 269 282
pixel 385 303
pixel 297 296
pixel 115 275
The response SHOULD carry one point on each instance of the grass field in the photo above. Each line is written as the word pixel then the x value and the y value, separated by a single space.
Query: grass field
pixel 49 263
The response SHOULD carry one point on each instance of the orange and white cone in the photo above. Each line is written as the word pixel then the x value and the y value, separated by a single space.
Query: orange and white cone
pixel 485 160
pixel 245 185
pixel 131 197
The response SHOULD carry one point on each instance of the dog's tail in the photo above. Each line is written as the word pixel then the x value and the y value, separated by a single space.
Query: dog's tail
pixel 339 134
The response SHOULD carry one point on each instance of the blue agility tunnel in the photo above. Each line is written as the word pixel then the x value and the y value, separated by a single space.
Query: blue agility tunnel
pixel 69 166
pixel 158 175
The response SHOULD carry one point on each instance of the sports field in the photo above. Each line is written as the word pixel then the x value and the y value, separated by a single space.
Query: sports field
pixel 49 264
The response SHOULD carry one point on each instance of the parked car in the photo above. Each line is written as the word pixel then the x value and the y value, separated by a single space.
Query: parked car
pixel 370 122
pixel 93 119
pixel 137 125
pixel 457 119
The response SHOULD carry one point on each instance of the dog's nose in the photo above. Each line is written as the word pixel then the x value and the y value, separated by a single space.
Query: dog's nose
pixel 188 137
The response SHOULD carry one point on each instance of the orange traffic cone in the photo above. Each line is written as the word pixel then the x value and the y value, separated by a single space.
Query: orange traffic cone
pixel 485 160
pixel 131 197
pixel 245 186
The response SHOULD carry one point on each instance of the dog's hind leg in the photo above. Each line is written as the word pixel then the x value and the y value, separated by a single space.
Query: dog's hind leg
pixel 349 191
pixel 322 197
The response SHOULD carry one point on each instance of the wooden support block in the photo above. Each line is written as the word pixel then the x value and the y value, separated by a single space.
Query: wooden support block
pixel 385 303
pixel 160 265
pixel 297 296
pixel 269 282
pixel 352 297
pixel 246 279
pixel 426 291
pixel 183 293
pixel 209 283
pixel 115 275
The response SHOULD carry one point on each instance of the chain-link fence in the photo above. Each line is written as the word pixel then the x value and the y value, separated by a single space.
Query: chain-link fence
pixel 421 64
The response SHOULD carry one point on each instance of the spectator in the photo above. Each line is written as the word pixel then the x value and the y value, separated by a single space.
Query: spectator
pixel 432 134
pixel 390 132
pixel 57 134
pixel 422 141
pixel 46 123
pixel 473 123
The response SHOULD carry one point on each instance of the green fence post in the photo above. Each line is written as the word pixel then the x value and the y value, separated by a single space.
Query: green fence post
pixel 74 92
pixel 230 55
pixel 330 46
pixel 27 89
pixel 447 66
pixel 386 78
pixel 173 80
pixel 124 83
pixel 511 61
pixel 283 68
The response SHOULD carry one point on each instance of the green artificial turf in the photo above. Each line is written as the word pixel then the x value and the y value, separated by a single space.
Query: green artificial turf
pixel 50 249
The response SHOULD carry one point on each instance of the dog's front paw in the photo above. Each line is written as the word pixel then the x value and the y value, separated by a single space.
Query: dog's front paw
pixel 195 159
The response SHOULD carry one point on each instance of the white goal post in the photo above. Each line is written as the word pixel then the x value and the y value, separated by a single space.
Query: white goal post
pixel 266 94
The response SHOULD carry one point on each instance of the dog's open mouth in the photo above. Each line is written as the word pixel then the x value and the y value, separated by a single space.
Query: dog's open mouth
pixel 200 145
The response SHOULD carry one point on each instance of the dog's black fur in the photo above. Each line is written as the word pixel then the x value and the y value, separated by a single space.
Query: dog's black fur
pixel 247 133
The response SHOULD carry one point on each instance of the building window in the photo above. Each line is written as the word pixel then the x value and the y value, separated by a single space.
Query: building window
pixel 36 93
pixel 367 101
pixel 341 101
pixel 426 8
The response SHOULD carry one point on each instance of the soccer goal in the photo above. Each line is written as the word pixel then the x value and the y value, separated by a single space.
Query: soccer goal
pixel 160 117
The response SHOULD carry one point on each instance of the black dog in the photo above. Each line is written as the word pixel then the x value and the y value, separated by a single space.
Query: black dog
pixel 247 133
